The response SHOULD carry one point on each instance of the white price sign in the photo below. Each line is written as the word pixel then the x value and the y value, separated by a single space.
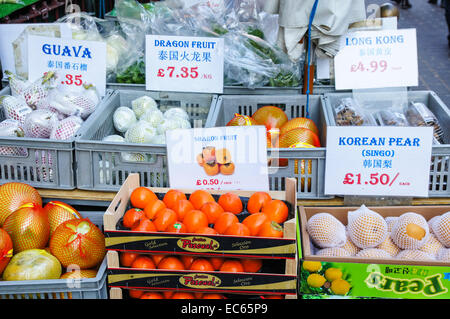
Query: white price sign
pixel 184 64
pixel 76 62
pixel 377 59
pixel 378 161
pixel 225 158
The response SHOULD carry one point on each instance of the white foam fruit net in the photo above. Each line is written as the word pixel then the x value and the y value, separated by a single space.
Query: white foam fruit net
pixel 326 231
pixel 366 228
pixel 414 254
pixel 389 246
pixel 411 231
pixel 441 228
pixel 350 246
pixel 390 221
pixel 333 252
pixel 443 254
pixel 373 253
pixel 432 246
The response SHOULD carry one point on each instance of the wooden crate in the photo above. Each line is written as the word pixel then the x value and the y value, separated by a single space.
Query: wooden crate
pixel 283 249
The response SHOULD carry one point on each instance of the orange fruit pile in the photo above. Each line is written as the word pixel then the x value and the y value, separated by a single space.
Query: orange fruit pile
pixel 200 213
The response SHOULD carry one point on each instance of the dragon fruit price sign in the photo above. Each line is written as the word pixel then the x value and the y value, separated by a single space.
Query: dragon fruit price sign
pixel 378 161
pixel 184 64
pixel 77 63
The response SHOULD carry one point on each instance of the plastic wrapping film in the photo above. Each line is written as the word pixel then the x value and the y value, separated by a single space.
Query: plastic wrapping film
pixel 250 60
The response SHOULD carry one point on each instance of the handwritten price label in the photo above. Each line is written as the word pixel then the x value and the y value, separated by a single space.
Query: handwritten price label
pixel 184 64
pixel 378 161
pixel 377 59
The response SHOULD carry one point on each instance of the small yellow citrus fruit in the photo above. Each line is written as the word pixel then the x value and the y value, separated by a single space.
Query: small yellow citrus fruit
pixel 340 286
pixel 312 266
pixel 333 274
pixel 315 280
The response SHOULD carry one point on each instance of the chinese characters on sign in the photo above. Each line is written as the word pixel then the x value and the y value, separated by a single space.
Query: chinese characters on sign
pixel 184 64
pixel 75 62
pixel 377 59
pixel 378 161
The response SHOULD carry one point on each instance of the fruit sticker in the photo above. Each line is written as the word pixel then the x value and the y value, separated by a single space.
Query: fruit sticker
pixel 225 158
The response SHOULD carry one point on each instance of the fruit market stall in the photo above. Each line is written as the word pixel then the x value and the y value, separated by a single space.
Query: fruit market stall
pixel 214 183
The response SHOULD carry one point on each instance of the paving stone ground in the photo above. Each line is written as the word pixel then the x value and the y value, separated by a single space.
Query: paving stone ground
pixel 433 50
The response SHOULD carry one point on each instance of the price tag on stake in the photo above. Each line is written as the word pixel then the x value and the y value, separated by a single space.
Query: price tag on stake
pixel 378 161
pixel 184 64
pixel 76 62
pixel 377 59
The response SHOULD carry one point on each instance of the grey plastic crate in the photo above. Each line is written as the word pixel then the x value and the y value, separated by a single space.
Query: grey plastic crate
pixel 87 288
pixel 237 90
pixel 440 155
pixel 100 165
pixel 42 163
pixel 311 179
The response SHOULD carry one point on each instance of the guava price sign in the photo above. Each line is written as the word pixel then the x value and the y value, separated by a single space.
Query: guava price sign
pixel 377 59
pixel 76 62
pixel 184 64
pixel 220 158
pixel 378 161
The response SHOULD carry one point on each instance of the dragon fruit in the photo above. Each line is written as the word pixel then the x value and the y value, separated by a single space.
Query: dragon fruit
pixel 123 119
pixel 154 117
pixel 14 108
pixel 176 112
pixel 40 123
pixel 12 128
pixel 142 105
pixel 141 132
pixel 66 128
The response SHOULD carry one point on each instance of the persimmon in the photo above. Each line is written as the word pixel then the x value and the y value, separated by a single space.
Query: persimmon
pixel 182 207
pixel 231 202
pixel 187 260
pixel 200 159
pixel 237 229
pixel 211 169
pixel 126 258
pixel 251 264
pixel 152 295
pixel 164 218
pixel 183 295
pixel 224 221
pixel 270 229
pixel 206 231
pixel 132 217
pixel 201 264
pixel 135 293
pixel 145 225
pixel 227 169
pixel 216 262
pixel 194 220
pixel 176 227
pixel 173 196
pixel 257 201
pixel 209 154
pixel 276 210
pixel 223 156
pixel 153 208
pixel 171 263
pixel 212 211
pixel 199 197
pixel 157 258
pixel 141 196
pixel 254 222
pixel 143 262
pixel 231 265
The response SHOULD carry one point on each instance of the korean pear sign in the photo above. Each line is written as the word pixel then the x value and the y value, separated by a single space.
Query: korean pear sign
pixel 377 59
pixel 75 62
pixel 184 64
pixel 378 161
